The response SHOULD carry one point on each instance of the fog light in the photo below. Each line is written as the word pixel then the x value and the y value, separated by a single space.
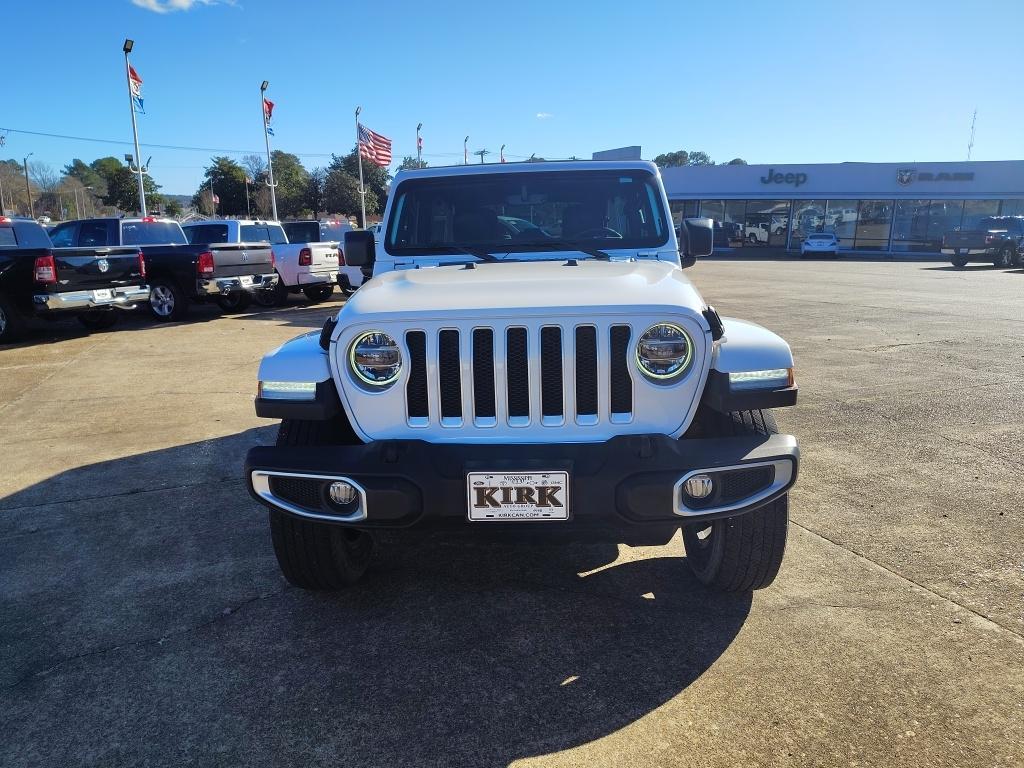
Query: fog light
pixel 699 486
pixel 342 493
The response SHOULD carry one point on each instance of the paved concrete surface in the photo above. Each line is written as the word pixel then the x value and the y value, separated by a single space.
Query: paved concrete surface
pixel 143 620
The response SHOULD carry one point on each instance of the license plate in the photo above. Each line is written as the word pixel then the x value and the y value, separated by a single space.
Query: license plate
pixel 498 496
pixel 104 295
pixel 246 281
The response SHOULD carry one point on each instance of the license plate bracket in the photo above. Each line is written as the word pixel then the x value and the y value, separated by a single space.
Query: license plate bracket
pixel 517 496
pixel 104 294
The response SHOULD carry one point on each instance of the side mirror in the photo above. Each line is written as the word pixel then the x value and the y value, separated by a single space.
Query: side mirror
pixel 360 248
pixel 696 238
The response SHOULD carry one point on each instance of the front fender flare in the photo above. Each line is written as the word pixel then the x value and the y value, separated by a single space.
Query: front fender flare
pixel 746 346
pixel 301 359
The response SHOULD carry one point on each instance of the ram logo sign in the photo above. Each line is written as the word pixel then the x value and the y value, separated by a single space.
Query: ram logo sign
pixel 906 176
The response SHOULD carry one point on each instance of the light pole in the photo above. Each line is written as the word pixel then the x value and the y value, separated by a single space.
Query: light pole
pixel 28 189
pixel 419 147
pixel 127 48
pixel 465 151
pixel 85 200
pixel 1 195
pixel 266 137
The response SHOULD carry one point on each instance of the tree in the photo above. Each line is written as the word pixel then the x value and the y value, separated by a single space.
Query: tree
pixel 682 157
pixel 737 161
pixel 315 190
pixel 341 191
pixel 375 178
pixel 411 163
pixel 122 186
pixel 292 181
pixel 254 165
pixel 228 183
pixel 173 208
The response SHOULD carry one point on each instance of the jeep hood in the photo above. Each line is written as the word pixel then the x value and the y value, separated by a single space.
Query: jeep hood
pixel 549 286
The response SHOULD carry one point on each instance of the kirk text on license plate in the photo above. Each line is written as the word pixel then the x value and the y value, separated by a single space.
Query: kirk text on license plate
pixel 509 496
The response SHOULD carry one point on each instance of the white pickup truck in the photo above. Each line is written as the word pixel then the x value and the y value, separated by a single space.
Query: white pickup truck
pixel 562 378
pixel 331 231
pixel 309 267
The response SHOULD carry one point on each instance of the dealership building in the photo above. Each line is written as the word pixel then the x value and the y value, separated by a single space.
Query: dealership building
pixel 877 207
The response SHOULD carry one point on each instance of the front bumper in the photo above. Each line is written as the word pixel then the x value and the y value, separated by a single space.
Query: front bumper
pixel 123 298
pixel 220 286
pixel 629 484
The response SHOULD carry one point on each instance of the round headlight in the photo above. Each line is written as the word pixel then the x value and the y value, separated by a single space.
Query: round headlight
pixel 664 352
pixel 375 359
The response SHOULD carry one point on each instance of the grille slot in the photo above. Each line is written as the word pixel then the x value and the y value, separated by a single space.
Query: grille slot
pixel 621 384
pixel 551 371
pixel 483 373
pixel 586 371
pixel 449 374
pixel 301 491
pixel 517 372
pixel 416 389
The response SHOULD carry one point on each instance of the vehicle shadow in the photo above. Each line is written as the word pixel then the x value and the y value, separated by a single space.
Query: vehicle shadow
pixel 146 623
pixel 967 268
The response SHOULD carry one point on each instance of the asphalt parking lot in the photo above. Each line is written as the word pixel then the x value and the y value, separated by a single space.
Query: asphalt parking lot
pixel 144 621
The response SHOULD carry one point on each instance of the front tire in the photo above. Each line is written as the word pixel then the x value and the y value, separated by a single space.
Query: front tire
pixel 236 301
pixel 739 554
pixel 1005 259
pixel 314 555
pixel 958 261
pixel 318 293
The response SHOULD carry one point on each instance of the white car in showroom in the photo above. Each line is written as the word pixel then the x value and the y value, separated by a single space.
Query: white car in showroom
pixel 820 244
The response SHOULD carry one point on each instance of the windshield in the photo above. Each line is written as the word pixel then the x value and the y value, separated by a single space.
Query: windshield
pixel 506 212
pixel 303 231
pixel 151 233
pixel 333 230
pixel 262 233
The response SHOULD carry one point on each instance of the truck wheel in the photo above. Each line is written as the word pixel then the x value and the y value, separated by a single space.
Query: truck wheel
pixel 166 300
pixel 273 297
pixel 236 301
pixel 12 324
pixel 314 555
pixel 99 319
pixel 738 554
pixel 1005 259
pixel 958 261
pixel 318 293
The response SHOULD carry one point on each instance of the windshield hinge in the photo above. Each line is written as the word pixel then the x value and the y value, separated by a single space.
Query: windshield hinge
pixel 647 254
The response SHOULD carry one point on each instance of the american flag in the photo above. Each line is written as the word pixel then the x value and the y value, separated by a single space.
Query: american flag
pixel 374 147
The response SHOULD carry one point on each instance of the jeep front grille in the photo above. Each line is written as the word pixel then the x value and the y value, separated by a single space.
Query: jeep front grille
pixel 545 375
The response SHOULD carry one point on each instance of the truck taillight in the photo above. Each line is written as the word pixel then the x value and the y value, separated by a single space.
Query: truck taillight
pixel 341 258
pixel 990 238
pixel 142 265
pixel 148 219
pixel 46 269
pixel 305 257
pixel 204 264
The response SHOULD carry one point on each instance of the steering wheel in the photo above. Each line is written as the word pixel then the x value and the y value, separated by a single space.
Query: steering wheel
pixel 595 232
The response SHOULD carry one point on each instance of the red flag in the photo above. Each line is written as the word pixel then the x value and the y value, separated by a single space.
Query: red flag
pixel 268 109
pixel 136 81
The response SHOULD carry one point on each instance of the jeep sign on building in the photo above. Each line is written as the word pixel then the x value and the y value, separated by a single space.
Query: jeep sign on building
pixel 889 207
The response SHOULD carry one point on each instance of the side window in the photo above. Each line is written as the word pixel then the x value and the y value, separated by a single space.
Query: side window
pixel 92 234
pixel 64 236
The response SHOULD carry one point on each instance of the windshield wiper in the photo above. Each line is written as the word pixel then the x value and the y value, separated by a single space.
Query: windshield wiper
pixel 479 253
pixel 594 252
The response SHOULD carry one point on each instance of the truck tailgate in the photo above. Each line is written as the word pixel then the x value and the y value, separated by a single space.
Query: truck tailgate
pixel 966 238
pixel 236 259
pixel 96 268
pixel 325 257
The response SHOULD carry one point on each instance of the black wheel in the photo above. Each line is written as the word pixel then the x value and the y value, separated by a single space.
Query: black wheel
pixel 166 300
pixel 1005 259
pixel 959 262
pixel 236 301
pixel 318 293
pixel 12 324
pixel 315 555
pixel 273 297
pixel 738 554
pixel 752 238
pixel 99 319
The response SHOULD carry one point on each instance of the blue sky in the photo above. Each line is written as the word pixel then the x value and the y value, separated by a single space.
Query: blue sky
pixel 770 82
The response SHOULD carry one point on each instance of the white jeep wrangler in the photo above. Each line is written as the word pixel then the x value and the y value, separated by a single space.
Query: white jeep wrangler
pixel 529 355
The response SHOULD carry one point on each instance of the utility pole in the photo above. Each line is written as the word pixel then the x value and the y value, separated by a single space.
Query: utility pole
pixel 1 194
pixel 127 48
pixel 465 151
pixel 970 144
pixel 482 152
pixel 266 136
pixel 28 189
pixel 419 147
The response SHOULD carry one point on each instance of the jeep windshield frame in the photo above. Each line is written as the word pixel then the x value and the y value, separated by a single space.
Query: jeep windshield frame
pixel 537 212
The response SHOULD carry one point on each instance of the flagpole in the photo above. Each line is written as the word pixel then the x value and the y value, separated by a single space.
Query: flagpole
pixel 248 213
pixel 359 154
pixel 128 45
pixel 419 147
pixel 266 137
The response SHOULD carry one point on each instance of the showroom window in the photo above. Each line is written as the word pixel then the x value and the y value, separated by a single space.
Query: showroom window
pixel 808 218
pixel 910 226
pixel 683 209
pixel 766 222
pixel 976 210
pixel 1012 208
pixel 841 218
pixel 943 215
pixel 874 220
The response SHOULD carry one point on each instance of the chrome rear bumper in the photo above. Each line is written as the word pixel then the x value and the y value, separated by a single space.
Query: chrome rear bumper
pixel 124 298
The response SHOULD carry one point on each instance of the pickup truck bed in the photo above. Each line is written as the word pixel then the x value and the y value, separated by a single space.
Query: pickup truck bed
pixel 38 280
pixel 998 239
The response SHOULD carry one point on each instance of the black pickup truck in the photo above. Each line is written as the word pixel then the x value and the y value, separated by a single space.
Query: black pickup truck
pixel 179 273
pixel 998 239
pixel 38 280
